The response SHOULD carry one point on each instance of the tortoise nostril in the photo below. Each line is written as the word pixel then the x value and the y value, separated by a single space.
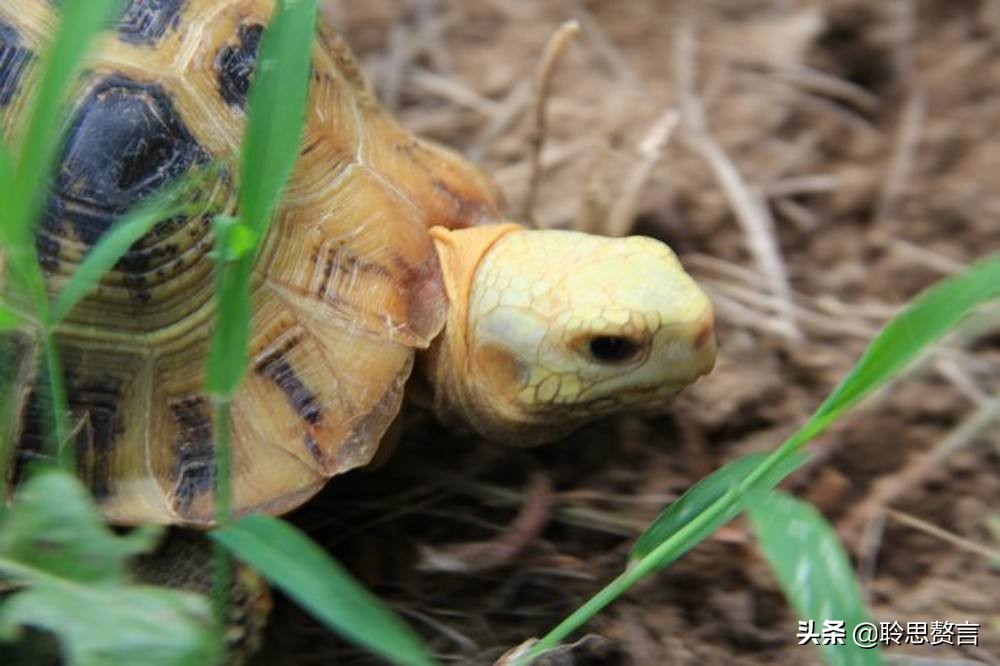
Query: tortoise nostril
pixel 706 332
pixel 612 348
pixel 704 335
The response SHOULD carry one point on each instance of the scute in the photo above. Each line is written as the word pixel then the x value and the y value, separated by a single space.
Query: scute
pixel 193 471
pixel 146 21
pixel 14 60
pixel 449 191
pixel 235 64
pixel 125 141
pixel 99 399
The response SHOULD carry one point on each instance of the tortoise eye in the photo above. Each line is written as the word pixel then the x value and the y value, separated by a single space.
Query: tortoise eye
pixel 612 349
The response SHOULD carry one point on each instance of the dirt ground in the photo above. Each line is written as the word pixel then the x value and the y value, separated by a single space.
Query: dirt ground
pixel 866 136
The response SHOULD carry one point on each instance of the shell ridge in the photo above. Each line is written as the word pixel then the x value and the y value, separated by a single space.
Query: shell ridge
pixel 293 298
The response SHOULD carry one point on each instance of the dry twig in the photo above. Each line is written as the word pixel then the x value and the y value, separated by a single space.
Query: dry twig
pixel 454 91
pixel 508 110
pixel 905 25
pixel 830 86
pixel 886 490
pixel 595 199
pixel 929 258
pixel 606 49
pixel 945 535
pixel 554 50
pixel 750 209
pixel 622 215
pixel 902 162
pixel 392 70
pixel 502 550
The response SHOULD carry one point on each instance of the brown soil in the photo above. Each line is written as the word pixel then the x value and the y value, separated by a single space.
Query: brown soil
pixel 870 129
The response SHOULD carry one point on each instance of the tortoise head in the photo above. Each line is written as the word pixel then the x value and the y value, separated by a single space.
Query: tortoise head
pixel 550 329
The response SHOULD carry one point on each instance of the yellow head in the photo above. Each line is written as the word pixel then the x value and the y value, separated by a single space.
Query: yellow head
pixel 549 329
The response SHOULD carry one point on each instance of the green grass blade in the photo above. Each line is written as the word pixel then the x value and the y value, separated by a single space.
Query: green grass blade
pixel 813 571
pixel 67 572
pixel 79 23
pixel 61 446
pixel 9 318
pixel 112 245
pixel 7 195
pixel 16 260
pixel 928 317
pixel 227 355
pixel 702 495
pixel 277 103
pixel 277 106
pixel 296 565
pixel 932 315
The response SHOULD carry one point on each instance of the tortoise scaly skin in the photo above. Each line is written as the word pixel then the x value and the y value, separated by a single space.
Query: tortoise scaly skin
pixel 387 253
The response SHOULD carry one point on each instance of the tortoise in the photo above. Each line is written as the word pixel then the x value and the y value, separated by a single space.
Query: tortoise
pixel 389 270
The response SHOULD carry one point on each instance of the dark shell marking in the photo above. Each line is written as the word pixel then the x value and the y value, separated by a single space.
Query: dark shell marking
pixel 126 141
pixel 146 21
pixel 31 443
pixel 276 368
pixel 235 66
pixel 96 400
pixel 94 404
pixel 193 471
pixel 14 60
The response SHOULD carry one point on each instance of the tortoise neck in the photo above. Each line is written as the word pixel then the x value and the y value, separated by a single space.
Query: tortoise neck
pixel 444 369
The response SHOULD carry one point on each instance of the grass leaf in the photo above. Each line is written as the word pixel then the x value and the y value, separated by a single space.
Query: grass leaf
pixel 813 570
pixel 55 527
pixel 276 114
pixel 928 317
pixel 701 495
pixel 233 239
pixel 227 356
pixel 63 58
pixel 7 195
pixel 292 562
pixel 277 103
pixel 112 626
pixel 70 569
pixel 9 319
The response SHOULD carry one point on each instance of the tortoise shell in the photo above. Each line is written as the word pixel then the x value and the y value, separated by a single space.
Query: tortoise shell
pixel 346 288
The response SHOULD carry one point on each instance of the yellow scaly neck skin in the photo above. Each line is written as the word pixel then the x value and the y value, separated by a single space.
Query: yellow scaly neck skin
pixel 549 329
pixel 448 360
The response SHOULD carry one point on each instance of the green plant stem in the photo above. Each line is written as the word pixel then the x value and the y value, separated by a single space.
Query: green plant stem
pixel 222 585
pixel 222 579
pixel 8 369
pixel 223 460
pixel 629 577
pixel 60 404
pixel 15 568
pixel 27 274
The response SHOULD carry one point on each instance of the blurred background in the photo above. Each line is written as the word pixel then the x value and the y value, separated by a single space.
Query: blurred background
pixel 815 165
